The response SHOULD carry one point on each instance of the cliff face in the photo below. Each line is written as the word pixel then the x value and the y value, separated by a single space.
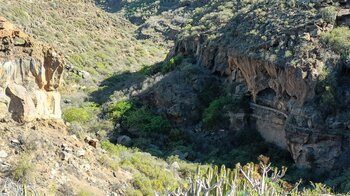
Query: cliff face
pixel 30 74
pixel 284 104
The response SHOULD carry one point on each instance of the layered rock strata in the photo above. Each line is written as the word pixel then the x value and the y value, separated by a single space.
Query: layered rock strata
pixel 284 102
pixel 30 74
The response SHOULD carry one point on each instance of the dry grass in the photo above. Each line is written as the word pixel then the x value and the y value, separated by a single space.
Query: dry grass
pixel 91 39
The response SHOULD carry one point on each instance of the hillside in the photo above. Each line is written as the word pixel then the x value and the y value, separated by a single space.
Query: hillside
pixel 96 44
pixel 174 97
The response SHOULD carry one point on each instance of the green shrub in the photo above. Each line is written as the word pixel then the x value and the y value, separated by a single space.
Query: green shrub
pixel 77 115
pixel 150 173
pixel 76 59
pixel 176 135
pixel 328 84
pixel 329 14
pixel 187 169
pixel 115 149
pixel 53 189
pixel 209 94
pixel 199 10
pixel 76 128
pixel 171 64
pixel 146 121
pixel 341 183
pixel 328 97
pixel 288 54
pixel 146 69
pixel 143 184
pixel 108 162
pixel 118 109
pixel 85 193
pixel 338 39
pixel 215 112
pixel 24 169
pixel 133 192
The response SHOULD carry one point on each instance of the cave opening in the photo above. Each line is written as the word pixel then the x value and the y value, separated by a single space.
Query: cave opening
pixel 343 20
pixel 266 97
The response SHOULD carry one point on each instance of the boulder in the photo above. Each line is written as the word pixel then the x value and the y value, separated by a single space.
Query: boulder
pixel 65 156
pixel 80 153
pixel 92 142
pixel 3 154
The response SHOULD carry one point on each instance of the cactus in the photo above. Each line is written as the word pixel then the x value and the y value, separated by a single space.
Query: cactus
pixel 250 179
pixel 226 182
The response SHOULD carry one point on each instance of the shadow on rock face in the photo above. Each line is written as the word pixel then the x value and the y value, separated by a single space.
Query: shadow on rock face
pixel 16 105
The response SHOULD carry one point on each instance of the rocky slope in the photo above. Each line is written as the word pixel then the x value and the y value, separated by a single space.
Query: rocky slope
pixel 41 155
pixel 96 44
pixel 30 76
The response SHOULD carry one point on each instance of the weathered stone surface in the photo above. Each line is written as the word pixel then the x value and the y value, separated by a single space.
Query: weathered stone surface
pixel 30 73
pixel 270 124
pixel 81 152
pixel 178 93
pixel 312 148
pixel 285 107
pixel 3 154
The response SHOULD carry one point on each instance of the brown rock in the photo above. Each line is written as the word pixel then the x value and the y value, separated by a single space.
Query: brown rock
pixel 92 142
pixel 30 73
pixel 279 93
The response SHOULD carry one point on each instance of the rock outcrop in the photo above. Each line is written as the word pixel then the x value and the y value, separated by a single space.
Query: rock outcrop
pixel 30 74
pixel 285 103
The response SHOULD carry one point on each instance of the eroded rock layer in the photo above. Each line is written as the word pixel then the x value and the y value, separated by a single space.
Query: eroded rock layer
pixel 285 105
pixel 30 74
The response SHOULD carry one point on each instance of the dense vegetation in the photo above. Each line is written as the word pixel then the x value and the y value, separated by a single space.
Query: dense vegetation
pixel 152 175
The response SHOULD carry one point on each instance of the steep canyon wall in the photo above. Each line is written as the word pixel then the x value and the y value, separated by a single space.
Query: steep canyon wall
pixel 280 103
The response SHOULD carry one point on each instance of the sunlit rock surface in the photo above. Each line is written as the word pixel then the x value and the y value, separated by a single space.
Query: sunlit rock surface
pixel 30 74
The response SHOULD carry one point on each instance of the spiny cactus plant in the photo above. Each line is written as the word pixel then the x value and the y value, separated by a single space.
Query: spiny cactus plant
pixel 250 179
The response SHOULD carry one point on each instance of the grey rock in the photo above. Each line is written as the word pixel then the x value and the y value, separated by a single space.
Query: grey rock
pixel 124 140
pixel 85 74
pixel 65 156
pixel 67 101
pixel 81 152
pixel 3 154
pixel 66 148
pixel 176 94
pixel 336 125
pixel 15 141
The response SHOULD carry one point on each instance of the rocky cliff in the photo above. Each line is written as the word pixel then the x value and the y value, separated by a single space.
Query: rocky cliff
pixel 30 74
pixel 287 88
